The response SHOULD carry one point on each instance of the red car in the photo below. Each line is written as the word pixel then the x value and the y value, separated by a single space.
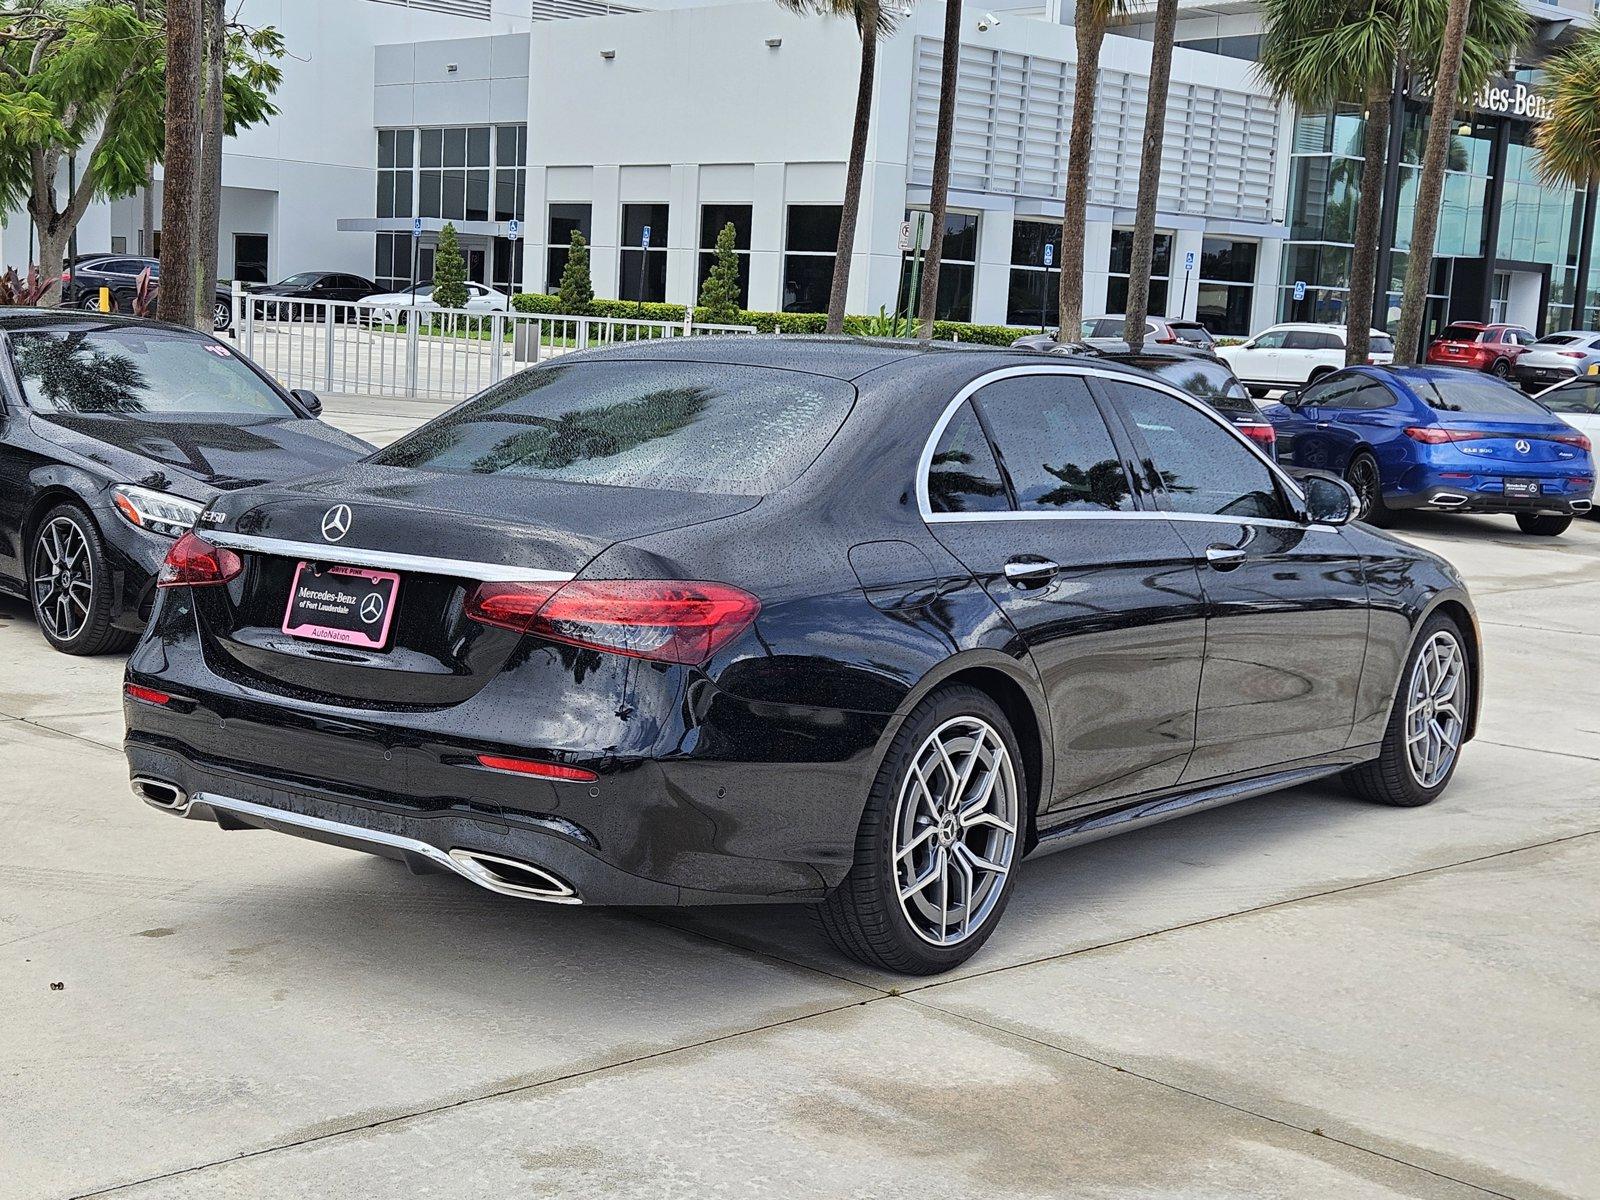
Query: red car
pixel 1480 347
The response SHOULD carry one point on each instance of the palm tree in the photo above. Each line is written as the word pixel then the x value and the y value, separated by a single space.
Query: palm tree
pixel 1569 141
pixel 1089 22
pixel 1155 128
pixel 872 21
pixel 180 192
pixel 1465 61
pixel 943 136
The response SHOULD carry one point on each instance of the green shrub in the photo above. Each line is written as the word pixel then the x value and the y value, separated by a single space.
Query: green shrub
pixel 576 288
pixel 449 271
pixel 770 322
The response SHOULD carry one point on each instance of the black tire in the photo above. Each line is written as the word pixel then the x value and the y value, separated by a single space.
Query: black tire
pixel 1543 524
pixel 1392 777
pixel 865 916
pixel 74 607
pixel 1501 368
pixel 1362 474
pixel 1317 374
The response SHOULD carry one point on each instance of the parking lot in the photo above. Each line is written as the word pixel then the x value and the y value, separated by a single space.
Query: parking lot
pixel 1298 995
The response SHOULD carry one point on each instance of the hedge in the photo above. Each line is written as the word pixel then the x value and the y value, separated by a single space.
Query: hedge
pixel 767 322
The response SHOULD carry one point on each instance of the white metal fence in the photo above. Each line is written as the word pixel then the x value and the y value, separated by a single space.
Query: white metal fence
pixel 445 354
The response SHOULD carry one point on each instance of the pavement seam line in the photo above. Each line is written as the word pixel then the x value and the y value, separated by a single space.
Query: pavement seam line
pixel 464 1101
pixel 1181 1090
pixel 1245 912
pixel 1540 750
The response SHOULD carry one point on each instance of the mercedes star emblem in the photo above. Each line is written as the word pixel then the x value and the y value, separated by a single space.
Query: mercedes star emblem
pixel 372 608
pixel 1522 446
pixel 336 522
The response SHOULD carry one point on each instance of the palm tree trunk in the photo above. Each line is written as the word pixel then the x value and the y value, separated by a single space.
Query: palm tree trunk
pixel 1091 33
pixel 210 229
pixel 1155 129
pixel 851 209
pixel 949 64
pixel 1369 211
pixel 1430 187
pixel 180 183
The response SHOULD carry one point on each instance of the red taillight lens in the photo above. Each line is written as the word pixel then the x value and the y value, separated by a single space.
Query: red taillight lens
pixel 1263 435
pixel 544 770
pixel 1572 354
pixel 666 620
pixel 66 276
pixel 195 562
pixel 1436 435
pixel 145 695
pixel 1581 441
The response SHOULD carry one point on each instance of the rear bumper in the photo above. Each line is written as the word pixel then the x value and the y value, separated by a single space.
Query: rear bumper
pixel 1449 496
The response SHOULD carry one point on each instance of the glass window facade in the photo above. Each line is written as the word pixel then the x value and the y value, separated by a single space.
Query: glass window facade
pixel 1122 261
pixel 1035 293
pixel 1226 291
pixel 811 235
pixel 1538 234
pixel 565 220
pixel 475 173
pixel 958 269
pixel 643 269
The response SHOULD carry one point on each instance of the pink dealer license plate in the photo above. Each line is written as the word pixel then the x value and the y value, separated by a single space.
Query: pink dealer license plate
pixel 351 606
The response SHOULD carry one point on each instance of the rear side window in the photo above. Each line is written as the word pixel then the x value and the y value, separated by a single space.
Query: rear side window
pixel 1476 395
pixel 1580 397
pixel 1350 392
pixel 683 427
pixel 1201 467
pixel 963 476
pixel 1055 444
pixel 1306 339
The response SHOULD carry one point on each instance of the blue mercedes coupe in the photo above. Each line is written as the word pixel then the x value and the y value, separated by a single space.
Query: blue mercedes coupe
pixel 1438 438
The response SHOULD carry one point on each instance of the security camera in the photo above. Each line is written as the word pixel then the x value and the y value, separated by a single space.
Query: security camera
pixel 987 22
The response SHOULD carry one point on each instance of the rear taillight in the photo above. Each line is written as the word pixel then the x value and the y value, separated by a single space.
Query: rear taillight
pixel 1262 434
pixel 195 562
pixel 1572 353
pixel 1581 441
pixel 1437 435
pixel 661 619
pixel 1166 341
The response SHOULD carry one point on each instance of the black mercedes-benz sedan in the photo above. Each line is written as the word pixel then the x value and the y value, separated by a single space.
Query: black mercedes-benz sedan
pixel 114 436
pixel 849 623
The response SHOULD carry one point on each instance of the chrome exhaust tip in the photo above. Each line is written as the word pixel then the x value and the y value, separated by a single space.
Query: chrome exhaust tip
pixel 1579 507
pixel 158 793
pixel 1448 500
pixel 510 877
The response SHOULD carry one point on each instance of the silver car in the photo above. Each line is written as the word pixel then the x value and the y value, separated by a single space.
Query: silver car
pixel 1557 357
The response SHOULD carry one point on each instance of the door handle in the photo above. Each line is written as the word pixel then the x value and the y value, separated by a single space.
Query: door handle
pixel 1224 558
pixel 1022 571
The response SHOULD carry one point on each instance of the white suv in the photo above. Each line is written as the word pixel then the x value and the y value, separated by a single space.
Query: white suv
pixel 1292 354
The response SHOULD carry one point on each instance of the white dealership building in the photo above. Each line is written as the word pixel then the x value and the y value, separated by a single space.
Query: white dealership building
pixel 519 121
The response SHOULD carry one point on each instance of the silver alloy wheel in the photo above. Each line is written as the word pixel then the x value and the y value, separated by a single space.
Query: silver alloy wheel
pixel 63 578
pixel 955 831
pixel 1434 720
pixel 221 316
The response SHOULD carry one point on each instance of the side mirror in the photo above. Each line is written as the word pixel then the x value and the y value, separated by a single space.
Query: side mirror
pixel 1292 398
pixel 309 401
pixel 1329 499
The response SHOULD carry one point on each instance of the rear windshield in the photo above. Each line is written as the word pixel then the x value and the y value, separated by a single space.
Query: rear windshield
pixel 1212 382
pixel 1559 339
pixel 681 427
pixel 1473 395
pixel 1462 333
pixel 1380 343
pixel 138 370
pixel 1193 333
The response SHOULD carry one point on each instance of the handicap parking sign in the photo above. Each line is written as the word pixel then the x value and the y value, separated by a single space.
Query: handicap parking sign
pixel 1299 289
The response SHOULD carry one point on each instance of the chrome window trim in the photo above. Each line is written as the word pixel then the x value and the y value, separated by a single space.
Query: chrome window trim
pixel 925 460
pixel 355 556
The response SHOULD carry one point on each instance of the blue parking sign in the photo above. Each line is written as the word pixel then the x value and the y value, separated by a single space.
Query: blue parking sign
pixel 645 239
pixel 1299 289
pixel 416 227
pixel 1049 253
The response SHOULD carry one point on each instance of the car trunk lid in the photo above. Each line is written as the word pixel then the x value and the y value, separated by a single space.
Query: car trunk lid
pixel 423 542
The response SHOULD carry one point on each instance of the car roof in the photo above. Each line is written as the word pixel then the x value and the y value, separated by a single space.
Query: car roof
pixel 74 318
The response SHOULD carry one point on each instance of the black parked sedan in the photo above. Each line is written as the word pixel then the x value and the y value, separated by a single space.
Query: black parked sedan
pixel 856 624
pixel 311 285
pixel 114 435
pixel 82 281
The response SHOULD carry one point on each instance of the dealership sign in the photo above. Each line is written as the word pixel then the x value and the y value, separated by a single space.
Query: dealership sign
pixel 1511 97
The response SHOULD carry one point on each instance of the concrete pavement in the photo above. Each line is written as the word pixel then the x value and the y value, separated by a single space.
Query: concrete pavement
pixel 1297 996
